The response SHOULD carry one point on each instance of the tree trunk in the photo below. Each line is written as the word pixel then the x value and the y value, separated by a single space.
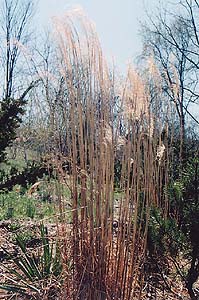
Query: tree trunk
pixel 182 138
pixel 193 274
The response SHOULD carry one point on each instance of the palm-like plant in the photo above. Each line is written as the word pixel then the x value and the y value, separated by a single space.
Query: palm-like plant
pixel 34 273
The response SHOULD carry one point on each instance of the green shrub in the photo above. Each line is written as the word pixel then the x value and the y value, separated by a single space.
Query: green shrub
pixel 14 205
pixel 164 236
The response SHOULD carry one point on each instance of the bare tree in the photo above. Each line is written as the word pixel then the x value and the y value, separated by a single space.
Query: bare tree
pixel 173 42
pixel 14 36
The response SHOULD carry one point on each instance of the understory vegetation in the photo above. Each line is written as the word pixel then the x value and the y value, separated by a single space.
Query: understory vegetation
pixel 99 173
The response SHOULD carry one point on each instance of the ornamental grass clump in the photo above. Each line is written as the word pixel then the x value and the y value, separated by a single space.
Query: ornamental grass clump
pixel 108 244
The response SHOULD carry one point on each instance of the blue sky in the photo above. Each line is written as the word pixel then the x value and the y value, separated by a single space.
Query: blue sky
pixel 117 23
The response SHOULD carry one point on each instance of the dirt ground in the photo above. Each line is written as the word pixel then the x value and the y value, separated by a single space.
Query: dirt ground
pixel 30 231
